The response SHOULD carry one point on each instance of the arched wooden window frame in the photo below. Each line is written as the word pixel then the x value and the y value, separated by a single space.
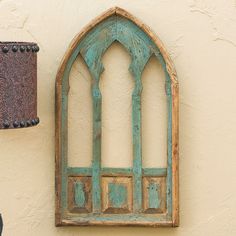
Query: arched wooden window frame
pixel 65 174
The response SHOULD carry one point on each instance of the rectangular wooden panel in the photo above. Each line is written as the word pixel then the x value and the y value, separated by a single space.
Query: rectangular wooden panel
pixel 116 195
pixel 154 195
pixel 79 189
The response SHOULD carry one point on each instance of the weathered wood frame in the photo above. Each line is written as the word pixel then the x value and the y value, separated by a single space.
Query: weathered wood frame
pixel 64 218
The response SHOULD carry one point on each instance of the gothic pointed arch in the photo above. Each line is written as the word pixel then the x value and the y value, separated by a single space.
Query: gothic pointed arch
pixel 115 196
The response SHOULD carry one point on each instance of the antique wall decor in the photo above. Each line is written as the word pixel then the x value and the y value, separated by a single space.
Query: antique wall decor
pixel 116 196
pixel 18 85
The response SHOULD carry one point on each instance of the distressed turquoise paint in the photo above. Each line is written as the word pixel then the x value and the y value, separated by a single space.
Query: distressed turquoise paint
pixel 117 194
pixel 64 131
pixel 137 150
pixel 157 172
pixel 117 171
pixel 169 156
pixel 92 51
pixel 153 195
pixel 80 199
pixel 92 47
pixel 64 147
pixel 105 171
pixel 96 165
pixel 79 171
pixel 140 53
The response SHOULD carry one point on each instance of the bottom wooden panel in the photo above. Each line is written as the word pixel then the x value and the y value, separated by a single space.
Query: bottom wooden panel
pixel 128 219
pixel 154 195
pixel 116 195
pixel 79 194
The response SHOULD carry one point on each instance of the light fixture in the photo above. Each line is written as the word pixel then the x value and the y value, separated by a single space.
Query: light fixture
pixel 18 86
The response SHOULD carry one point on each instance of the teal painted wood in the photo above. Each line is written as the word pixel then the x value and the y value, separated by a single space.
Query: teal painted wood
pixel 137 150
pixel 80 199
pixel 92 50
pixel 169 154
pixel 83 171
pixel 79 171
pixel 96 165
pixel 158 172
pixel 92 47
pixel 64 147
pixel 153 196
pixel 117 171
pixel 140 53
pixel 117 194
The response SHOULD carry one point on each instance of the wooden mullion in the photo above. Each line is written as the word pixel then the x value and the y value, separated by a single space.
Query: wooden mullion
pixel 96 163
pixel 137 147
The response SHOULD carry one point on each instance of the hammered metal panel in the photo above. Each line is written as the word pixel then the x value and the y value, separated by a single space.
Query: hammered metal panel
pixel 18 85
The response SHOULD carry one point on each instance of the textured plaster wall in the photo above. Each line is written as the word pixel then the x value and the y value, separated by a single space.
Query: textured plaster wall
pixel 201 38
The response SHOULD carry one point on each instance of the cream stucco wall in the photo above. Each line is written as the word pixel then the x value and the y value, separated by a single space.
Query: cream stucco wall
pixel 201 38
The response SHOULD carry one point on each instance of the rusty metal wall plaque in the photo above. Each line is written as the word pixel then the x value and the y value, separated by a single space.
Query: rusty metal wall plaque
pixel 18 84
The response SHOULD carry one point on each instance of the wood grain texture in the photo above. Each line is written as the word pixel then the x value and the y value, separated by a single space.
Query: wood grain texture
pixel 79 194
pixel 154 192
pixel 116 25
pixel 84 171
pixel 117 195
